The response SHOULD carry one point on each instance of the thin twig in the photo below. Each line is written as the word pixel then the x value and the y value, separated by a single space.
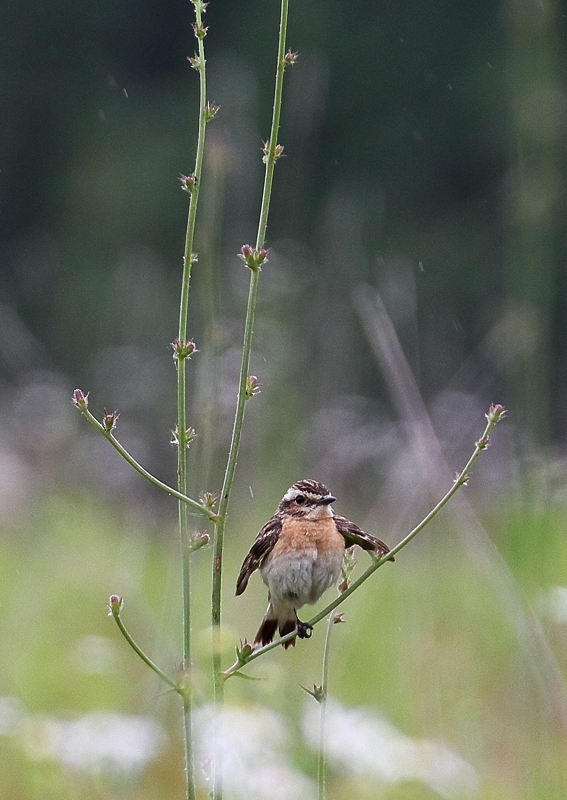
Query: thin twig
pixel 194 504
pixel 115 605
pixel 324 690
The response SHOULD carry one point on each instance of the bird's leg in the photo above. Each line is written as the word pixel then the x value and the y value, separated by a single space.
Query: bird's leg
pixel 304 629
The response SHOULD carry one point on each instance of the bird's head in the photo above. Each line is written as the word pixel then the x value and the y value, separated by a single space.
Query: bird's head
pixel 307 498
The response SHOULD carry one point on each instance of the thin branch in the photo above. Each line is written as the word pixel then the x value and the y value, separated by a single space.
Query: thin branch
pixel 115 605
pixel 80 400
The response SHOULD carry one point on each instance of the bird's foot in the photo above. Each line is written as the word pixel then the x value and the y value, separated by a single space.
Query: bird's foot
pixel 304 629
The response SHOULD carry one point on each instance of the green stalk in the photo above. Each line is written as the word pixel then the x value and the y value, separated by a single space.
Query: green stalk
pixel 115 608
pixel 182 428
pixel 321 760
pixel 107 433
pixel 271 156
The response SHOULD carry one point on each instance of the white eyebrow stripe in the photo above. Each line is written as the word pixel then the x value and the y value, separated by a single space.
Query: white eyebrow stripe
pixel 291 494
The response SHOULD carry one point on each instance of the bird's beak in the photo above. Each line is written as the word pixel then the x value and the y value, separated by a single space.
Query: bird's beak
pixel 325 501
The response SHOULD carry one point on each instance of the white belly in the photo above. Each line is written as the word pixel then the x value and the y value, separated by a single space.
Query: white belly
pixel 299 577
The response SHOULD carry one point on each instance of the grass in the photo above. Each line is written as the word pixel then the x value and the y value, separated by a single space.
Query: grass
pixel 428 643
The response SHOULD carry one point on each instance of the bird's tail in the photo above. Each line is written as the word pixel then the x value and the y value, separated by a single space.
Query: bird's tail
pixel 271 623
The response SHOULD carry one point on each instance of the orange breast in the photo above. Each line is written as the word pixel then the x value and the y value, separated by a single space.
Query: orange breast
pixel 305 534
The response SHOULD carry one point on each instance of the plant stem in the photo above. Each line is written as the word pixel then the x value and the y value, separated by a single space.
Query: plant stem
pixel 183 498
pixel 321 760
pixel 182 430
pixel 495 414
pixel 116 614
pixel 270 160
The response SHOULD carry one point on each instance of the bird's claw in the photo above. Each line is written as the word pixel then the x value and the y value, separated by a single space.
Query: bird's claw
pixel 304 629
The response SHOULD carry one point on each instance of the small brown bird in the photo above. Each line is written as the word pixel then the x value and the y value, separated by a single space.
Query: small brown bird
pixel 300 552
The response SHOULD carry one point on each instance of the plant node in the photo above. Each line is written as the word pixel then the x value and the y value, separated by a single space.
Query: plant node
pixel 109 420
pixel 271 154
pixel 183 348
pixel 209 499
pixel 253 257
pixel 200 30
pixel 211 110
pixel 290 58
pixel 196 62
pixel 188 182
pixel 318 693
pixel 253 386
pixel 190 434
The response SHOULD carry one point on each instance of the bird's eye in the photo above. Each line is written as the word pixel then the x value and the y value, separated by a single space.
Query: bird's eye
pixel 299 499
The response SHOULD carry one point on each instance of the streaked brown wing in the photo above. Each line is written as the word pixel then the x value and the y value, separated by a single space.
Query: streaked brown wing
pixel 262 545
pixel 352 534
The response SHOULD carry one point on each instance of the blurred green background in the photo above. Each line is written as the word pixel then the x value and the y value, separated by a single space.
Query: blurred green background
pixel 416 274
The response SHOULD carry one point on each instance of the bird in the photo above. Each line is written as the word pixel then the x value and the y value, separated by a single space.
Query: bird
pixel 299 553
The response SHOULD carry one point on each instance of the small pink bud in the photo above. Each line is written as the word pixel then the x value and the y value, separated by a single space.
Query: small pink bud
pixel 115 604
pixel 109 420
pixel 253 386
pixel 495 412
pixel 271 154
pixel 183 349
pixel 188 182
pixel 80 400
pixel 253 257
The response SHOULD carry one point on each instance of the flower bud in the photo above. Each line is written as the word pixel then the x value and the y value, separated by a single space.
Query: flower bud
pixel 252 386
pixel 211 110
pixel 188 182
pixel 183 348
pixel 208 499
pixel 115 604
pixel 195 62
pixel 200 30
pixel 80 400
pixel 253 257
pixel 271 154
pixel 244 652
pixel 199 539
pixel 495 412
pixel 290 58
pixel 109 420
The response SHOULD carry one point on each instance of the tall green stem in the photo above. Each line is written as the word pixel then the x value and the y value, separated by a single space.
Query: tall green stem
pixel 182 428
pixel 321 760
pixel 271 156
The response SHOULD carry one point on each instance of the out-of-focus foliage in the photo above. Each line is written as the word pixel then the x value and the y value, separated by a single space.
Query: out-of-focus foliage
pixel 422 147
pixel 441 681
